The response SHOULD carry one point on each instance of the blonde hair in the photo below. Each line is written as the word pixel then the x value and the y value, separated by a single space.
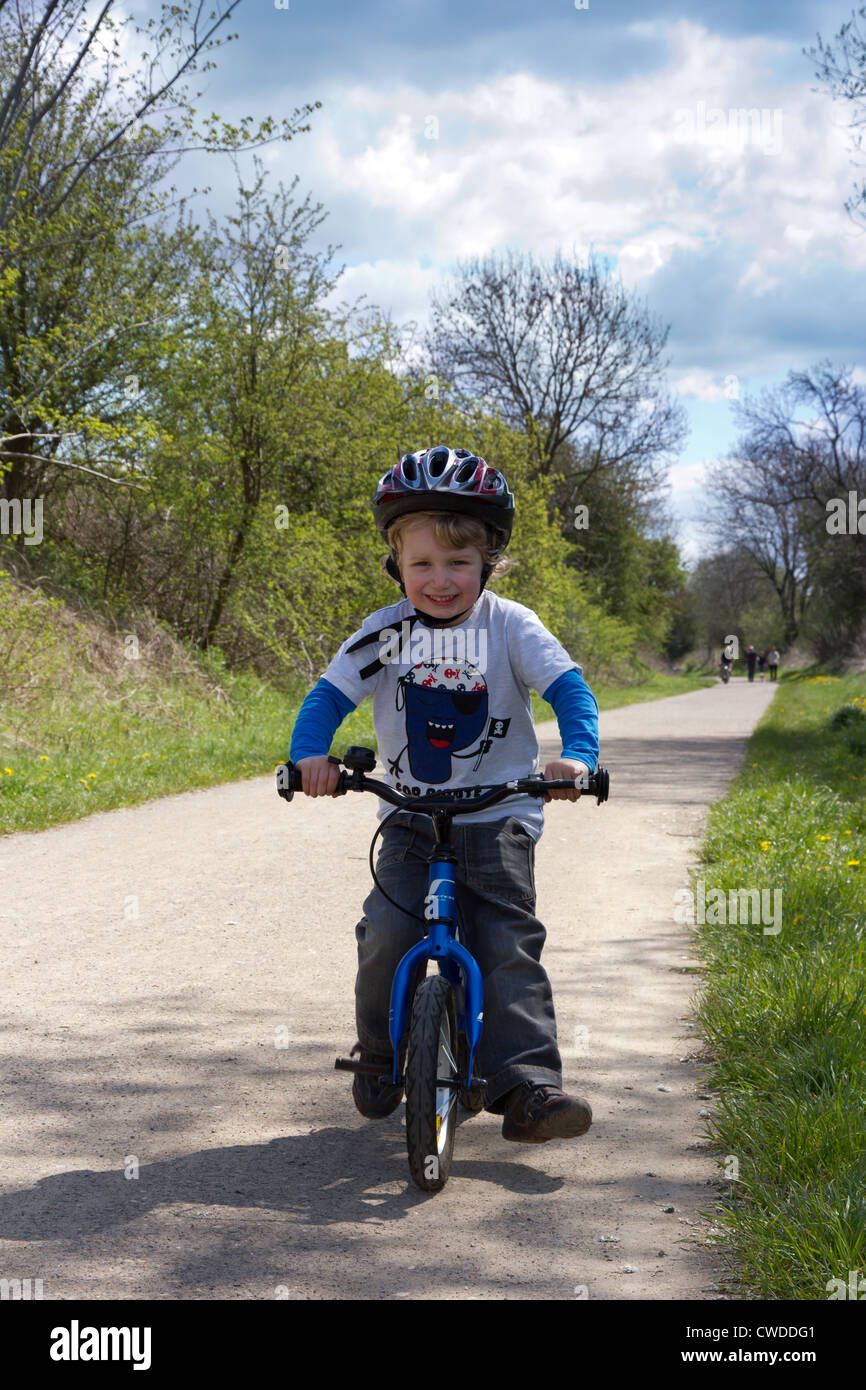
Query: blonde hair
pixel 457 531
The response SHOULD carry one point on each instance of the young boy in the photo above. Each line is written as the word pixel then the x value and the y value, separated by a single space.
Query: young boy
pixel 450 668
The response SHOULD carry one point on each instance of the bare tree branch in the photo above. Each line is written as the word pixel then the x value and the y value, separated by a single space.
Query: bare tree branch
pixel 78 467
pixel 562 352
pixel 842 70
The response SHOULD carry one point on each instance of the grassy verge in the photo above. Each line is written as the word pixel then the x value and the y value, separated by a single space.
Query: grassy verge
pixel 784 1008
pixel 653 687
pixel 93 717
pixel 99 735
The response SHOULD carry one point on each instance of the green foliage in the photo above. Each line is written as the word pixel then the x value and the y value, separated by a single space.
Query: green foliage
pixel 37 642
pixel 727 595
pixel 785 1013
pixel 90 719
pixel 543 580
pixel 299 594
pixel 633 574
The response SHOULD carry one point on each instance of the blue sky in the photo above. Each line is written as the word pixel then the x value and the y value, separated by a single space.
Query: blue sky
pixel 453 129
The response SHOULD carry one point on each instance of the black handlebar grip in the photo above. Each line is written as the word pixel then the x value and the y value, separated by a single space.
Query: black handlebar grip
pixel 289 781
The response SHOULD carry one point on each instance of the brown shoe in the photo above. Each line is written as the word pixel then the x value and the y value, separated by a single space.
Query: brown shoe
pixel 535 1114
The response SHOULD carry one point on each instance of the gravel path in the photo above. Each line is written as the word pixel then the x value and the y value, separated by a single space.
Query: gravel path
pixel 178 978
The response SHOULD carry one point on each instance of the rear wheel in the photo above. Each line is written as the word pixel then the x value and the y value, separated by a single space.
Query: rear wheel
pixel 430 1106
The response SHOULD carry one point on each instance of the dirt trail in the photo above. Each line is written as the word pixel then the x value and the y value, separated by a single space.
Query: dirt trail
pixel 178 978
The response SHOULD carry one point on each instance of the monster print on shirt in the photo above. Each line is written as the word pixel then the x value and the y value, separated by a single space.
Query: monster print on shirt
pixel 446 711
pixel 447 723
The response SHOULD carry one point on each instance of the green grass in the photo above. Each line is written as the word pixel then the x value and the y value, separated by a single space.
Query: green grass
pixel 90 742
pixel 784 1014
pixel 87 753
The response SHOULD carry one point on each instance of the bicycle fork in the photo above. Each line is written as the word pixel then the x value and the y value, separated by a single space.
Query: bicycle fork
pixel 456 963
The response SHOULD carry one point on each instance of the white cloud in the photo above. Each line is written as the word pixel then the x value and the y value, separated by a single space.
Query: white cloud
pixel 685 476
pixel 398 287
pixel 705 386
pixel 522 159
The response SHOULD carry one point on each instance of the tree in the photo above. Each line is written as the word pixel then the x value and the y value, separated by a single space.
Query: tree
pixel 727 595
pixel 561 351
pixel 235 392
pixel 842 68
pixel 82 180
pixel 804 449
pixel 755 510
pixel 42 67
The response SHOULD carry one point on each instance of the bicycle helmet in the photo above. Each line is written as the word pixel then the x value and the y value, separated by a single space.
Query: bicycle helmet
pixel 448 480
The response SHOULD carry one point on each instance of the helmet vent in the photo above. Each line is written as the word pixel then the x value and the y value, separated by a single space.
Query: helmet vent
pixel 466 471
pixel 409 469
pixel 437 462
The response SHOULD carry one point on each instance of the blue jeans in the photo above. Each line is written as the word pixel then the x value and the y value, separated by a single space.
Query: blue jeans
pixel 496 908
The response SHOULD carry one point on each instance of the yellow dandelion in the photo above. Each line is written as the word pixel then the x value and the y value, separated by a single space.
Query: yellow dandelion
pixel 765 844
pixel 823 837
pixel 43 757
pixel 9 770
pixel 852 862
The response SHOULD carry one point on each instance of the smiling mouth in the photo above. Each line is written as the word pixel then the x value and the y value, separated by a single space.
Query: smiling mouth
pixel 452 599
pixel 441 734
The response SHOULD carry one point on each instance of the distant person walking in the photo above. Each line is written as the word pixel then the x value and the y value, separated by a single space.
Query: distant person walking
pixel 751 658
pixel 762 664
pixel 773 663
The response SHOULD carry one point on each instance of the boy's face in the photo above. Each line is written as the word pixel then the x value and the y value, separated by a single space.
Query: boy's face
pixel 437 579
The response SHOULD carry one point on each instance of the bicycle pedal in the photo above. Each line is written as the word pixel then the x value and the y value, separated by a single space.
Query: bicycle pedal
pixel 366 1068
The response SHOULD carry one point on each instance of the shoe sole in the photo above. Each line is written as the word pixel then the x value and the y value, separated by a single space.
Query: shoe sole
pixel 372 1111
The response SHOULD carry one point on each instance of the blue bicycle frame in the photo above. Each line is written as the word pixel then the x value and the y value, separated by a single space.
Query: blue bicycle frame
pixel 441 942
pixel 455 962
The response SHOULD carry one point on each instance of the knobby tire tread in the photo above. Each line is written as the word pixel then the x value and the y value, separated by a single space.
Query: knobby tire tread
pixel 433 996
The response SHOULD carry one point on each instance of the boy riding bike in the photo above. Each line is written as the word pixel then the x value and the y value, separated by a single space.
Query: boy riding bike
pixel 450 668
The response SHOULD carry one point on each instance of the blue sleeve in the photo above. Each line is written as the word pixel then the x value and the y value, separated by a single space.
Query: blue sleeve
pixel 576 710
pixel 319 718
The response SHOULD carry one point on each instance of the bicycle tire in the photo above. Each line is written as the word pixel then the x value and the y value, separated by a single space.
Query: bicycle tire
pixel 431 1115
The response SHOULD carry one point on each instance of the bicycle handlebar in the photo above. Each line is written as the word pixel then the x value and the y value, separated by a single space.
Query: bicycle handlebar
pixel 289 781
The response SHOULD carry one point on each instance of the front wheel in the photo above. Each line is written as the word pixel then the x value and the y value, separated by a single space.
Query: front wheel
pixel 431 1059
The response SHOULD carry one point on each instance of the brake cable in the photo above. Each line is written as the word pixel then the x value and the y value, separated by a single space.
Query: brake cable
pixel 384 821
